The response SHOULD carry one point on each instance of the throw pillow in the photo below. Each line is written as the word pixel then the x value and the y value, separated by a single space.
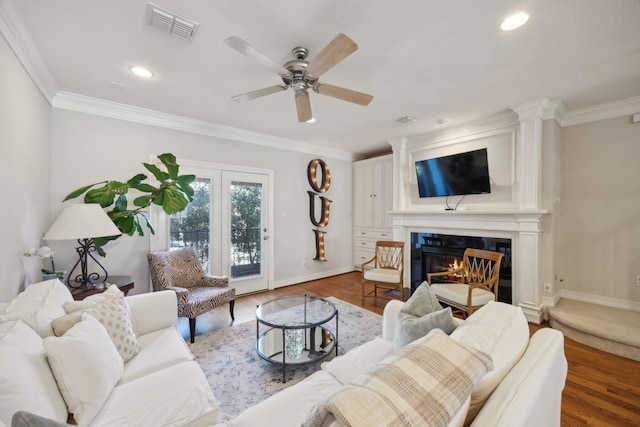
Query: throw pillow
pixel 425 383
pixel 422 302
pixel 113 314
pixel 419 315
pixel 38 305
pixel 26 381
pixel 112 291
pixel 86 366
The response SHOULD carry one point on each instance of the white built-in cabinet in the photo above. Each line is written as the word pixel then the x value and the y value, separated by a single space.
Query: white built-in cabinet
pixel 372 192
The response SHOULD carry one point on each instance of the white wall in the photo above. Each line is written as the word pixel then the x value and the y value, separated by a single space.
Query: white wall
pixel 25 171
pixel 88 149
pixel 600 212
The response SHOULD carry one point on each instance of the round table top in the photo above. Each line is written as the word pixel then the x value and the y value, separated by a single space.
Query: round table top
pixel 295 312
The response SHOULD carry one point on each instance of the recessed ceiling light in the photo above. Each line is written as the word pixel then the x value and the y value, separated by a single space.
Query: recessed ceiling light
pixel 141 71
pixel 442 121
pixel 514 21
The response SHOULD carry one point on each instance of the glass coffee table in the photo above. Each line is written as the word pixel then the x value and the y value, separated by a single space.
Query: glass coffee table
pixel 296 333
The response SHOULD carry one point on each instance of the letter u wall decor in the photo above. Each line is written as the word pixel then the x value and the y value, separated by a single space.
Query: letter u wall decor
pixel 325 203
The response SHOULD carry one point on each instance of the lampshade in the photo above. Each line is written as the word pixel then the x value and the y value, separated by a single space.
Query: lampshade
pixel 82 221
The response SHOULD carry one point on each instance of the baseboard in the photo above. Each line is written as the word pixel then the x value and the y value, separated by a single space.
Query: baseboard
pixel 315 276
pixel 601 300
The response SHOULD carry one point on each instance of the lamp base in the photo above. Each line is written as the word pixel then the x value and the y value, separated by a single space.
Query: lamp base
pixel 85 279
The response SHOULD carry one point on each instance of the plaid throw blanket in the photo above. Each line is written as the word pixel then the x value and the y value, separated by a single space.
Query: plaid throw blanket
pixel 423 384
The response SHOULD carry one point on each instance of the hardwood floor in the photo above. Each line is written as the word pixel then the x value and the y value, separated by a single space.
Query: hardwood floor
pixel 601 389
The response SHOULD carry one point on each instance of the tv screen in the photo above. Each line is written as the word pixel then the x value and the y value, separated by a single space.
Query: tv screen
pixel 454 175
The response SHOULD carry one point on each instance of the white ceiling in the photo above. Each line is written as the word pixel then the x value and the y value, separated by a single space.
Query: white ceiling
pixel 429 59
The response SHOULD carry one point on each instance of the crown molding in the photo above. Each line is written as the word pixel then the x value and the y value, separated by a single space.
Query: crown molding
pixel 99 107
pixel 19 39
pixel 542 109
pixel 623 107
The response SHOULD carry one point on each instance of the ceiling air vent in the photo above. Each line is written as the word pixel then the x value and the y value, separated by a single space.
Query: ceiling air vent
pixel 171 23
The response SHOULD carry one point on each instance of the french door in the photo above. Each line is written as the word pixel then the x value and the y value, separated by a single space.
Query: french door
pixel 228 223
pixel 245 231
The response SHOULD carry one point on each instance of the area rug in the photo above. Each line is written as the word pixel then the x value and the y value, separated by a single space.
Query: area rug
pixel 239 378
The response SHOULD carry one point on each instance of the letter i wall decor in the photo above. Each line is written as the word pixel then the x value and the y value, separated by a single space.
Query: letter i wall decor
pixel 312 170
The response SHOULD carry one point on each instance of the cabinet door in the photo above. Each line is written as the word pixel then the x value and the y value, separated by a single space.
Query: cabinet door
pixel 387 192
pixel 362 199
pixel 373 191
pixel 377 196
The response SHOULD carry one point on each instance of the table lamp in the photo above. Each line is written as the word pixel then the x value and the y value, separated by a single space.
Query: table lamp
pixel 83 222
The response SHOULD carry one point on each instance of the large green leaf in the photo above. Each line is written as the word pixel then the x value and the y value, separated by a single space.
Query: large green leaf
pixel 145 188
pixel 102 195
pixel 142 201
pixel 160 175
pixel 80 190
pixel 174 201
pixel 118 187
pixel 169 161
pixel 121 203
pixel 101 241
pixel 137 180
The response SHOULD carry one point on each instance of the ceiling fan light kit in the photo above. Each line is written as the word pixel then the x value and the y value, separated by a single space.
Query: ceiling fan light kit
pixel 301 75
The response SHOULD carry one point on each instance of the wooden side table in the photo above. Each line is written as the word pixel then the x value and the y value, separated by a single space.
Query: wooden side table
pixel 124 283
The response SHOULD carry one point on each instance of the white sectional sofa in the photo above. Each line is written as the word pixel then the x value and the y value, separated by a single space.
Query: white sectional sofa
pixel 161 385
pixel 524 387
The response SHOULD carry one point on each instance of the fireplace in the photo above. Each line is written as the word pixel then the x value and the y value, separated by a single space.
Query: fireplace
pixel 433 252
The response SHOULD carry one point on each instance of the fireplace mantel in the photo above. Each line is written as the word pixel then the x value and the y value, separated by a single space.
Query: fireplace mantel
pixel 525 228
pixel 486 220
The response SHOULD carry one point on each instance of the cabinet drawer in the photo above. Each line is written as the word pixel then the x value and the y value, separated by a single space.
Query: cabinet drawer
pixel 374 234
pixel 369 245
pixel 362 256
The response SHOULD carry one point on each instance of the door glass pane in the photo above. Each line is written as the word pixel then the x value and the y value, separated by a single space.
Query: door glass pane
pixel 191 226
pixel 245 212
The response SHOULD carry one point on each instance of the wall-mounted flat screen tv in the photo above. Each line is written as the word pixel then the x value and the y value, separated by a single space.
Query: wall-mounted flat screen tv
pixel 454 175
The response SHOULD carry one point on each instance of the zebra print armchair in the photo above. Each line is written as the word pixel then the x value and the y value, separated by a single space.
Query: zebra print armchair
pixel 181 272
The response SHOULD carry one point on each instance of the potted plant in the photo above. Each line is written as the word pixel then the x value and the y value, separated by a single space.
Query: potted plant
pixel 171 191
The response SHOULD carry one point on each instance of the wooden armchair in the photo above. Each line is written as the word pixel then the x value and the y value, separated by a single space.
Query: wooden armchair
pixel 181 272
pixel 386 269
pixel 473 284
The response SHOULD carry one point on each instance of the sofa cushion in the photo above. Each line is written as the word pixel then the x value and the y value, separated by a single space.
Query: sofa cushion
pixel 178 395
pixel 26 381
pixel 358 360
pixel 289 407
pixel 113 314
pixel 160 349
pixel 501 331
pixel 419 315
pixel 38 305
pixel 86 366
pixel 425 383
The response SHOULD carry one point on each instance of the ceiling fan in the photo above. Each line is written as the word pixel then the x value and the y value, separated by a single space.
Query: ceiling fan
pixel 302 75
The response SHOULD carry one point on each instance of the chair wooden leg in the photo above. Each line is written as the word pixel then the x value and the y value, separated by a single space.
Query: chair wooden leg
pixel 232 304
pixel 192 328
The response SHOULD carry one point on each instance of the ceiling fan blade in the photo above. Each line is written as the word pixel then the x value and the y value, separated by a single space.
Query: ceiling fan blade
pixel 259 93
pixel 303 106
pixel 342 93
pixel 249 51
pixel 337 50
